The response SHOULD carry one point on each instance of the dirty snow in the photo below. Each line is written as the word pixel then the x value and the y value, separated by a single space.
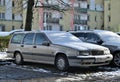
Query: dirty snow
pixel 106 73
pixel 103 75
pixel 3 55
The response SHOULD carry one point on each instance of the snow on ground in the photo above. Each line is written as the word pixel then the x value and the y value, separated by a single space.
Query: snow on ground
pixel 106 73
pixel 3 55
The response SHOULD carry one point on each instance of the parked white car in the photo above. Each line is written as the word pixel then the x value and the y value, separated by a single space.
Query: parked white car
pixel 10 32
pixel 61 49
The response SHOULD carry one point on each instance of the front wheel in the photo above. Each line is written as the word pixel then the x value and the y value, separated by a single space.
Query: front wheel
pixel 61 63
pixel 116 59
pixel 18 58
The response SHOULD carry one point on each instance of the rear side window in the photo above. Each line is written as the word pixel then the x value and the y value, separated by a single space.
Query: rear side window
pixel 29 38
pixel 40 38
pixel 17 38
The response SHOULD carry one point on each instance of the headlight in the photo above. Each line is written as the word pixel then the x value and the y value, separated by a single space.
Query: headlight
pixel 86 53
pixel 106 51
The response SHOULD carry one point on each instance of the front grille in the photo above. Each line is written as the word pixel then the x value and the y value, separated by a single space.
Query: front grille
pixel 96 52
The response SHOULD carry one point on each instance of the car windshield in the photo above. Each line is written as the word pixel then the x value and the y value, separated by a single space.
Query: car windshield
pixel 109 36
pixel 62 37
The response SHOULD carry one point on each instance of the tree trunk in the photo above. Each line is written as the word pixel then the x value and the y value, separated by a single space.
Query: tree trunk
pixel 29 15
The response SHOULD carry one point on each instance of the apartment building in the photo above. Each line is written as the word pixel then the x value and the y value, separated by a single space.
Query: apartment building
pixel 112 15
pixel 76 17
pixel 73 18
pixel 96 14
pixel 9 18
pixel 82 15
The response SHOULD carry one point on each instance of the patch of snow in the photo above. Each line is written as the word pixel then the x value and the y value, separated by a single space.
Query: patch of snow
pixel 24 67
pixel 106 73
pixel 3 55
pixel 42 70
pixel 103 75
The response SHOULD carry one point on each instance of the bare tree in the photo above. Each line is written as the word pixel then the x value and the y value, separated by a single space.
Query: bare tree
pixel 29 15
pixel 30 4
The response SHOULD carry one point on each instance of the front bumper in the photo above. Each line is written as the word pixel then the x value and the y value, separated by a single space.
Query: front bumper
pixel 86 61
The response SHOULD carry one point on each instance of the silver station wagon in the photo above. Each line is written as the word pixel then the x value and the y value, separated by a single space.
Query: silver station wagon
pixel 61 49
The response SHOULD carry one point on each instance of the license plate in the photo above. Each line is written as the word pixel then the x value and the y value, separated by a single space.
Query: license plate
pixel 100 60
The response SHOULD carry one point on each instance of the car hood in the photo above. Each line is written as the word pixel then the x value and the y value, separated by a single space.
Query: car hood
pixel 82 46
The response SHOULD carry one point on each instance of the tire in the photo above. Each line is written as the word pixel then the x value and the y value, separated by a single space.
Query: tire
pixel 61 63
pixel 18 58
pixel 116 59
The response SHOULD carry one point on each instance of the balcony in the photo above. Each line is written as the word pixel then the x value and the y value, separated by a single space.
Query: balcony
pixel 82 22
pixel 80 10
pixel 51 20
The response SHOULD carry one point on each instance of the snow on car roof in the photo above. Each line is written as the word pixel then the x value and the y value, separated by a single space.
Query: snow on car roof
pixel 61 36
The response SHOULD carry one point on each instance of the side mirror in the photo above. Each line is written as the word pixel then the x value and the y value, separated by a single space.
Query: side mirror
pixel 46 43
pixel 99 42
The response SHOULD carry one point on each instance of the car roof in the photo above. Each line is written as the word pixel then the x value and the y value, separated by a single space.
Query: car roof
pixel 85 31
pixel 39 32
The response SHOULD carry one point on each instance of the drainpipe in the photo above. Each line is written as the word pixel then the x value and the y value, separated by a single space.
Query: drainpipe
pixel 41 18
pixel 72 15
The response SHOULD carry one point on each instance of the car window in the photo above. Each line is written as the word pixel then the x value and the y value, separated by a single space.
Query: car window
pixel 91 37
pixel 17 38
pixel 28 38
pixel 79 35
pixel 40 38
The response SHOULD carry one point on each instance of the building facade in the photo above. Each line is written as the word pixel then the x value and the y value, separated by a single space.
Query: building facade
pixel 82 15
pixel 96 14
pixel 73 18
pixel 112 15
pixel 10 19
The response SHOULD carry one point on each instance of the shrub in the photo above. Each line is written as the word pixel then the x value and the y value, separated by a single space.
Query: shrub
pixel 4 42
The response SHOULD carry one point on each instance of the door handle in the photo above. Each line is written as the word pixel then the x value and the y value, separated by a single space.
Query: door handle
pixel 22 45
pixel 34 46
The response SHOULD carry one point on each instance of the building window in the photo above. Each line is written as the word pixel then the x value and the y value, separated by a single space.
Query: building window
pixel 109 18
pixel 109 7
pixel 88 17
pixel 2 15
pixel 95 18
pixel 13 16
pixel 77 28
pixel 13 4
pixel 48 27
pixel 88 6
pixel 2 2
pixel 48 15
pixel 2 27
pixel 13 27
pixel 61 28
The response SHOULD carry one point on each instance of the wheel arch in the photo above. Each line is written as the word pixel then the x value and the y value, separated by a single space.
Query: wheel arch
pixel 16 52
pixel 113 63
pixel 60 54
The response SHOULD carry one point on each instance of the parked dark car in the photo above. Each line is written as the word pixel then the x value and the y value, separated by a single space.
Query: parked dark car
pixel 105 38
